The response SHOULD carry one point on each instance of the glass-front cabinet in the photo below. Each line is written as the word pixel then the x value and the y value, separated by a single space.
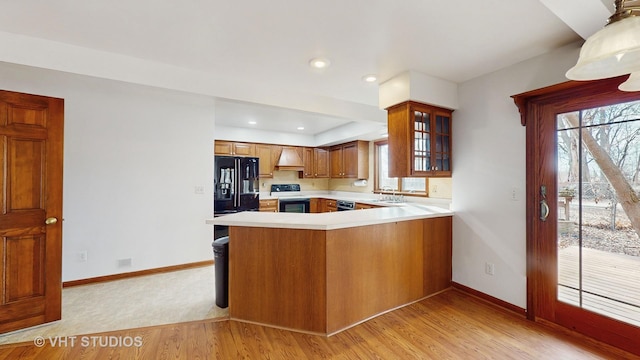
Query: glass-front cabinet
pixel 419 140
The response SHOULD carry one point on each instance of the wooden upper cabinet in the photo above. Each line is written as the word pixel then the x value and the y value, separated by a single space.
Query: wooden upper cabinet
pixel 350 160
pixel 268 155
pixel 419 140
pixel 234 148
pixel 321 162
pixel 316 163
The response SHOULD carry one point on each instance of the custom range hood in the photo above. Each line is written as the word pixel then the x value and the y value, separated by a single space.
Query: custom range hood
pixel 290 159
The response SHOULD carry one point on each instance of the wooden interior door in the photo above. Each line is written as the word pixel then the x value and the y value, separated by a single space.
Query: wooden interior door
pixel 31 138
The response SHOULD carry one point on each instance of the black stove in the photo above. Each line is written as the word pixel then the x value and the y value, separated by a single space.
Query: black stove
pixel 283 188
pixel 290 199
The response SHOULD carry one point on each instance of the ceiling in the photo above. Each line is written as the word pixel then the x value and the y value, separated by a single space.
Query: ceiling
pixel 253 55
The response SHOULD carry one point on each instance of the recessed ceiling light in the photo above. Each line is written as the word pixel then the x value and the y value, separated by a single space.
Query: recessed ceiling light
pixel 300 127
pixel 252 122
pixel 319 63
pixel 370 78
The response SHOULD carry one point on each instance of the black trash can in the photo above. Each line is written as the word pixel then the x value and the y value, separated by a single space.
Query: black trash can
pixel 221 259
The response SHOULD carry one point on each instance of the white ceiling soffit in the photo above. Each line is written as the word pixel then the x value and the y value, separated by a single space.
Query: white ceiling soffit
pixel 585 17
pixel 257 51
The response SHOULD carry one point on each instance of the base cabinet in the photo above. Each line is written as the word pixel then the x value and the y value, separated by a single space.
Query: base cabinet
pixel 342 276
pixel 361 206
pixel 270 205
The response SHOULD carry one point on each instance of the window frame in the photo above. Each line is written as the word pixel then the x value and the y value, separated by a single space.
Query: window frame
pixel 399 191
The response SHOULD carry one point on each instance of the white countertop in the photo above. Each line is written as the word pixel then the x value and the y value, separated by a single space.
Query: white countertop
pixel 366 198
pixel 331 220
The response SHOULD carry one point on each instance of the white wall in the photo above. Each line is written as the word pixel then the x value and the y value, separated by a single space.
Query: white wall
pixel 489 162
pixel 133 155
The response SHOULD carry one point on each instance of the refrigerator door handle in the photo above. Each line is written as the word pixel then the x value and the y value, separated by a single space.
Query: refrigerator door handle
pixel 236 198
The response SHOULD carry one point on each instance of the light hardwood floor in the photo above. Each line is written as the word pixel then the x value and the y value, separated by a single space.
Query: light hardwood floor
pixel 614 277
pixel 450 325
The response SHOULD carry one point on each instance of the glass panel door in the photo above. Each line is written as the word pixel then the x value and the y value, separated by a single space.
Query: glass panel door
pixel 598 178
pixel 422 141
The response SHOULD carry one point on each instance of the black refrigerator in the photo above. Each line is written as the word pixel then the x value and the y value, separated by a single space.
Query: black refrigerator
pixel 236 184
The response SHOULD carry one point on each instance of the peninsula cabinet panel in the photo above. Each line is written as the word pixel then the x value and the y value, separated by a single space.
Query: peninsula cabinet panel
pixel 324 281
pixel 222 147
pixel 419 140
pixel 278 277
pixel 378 267
pixel 437 254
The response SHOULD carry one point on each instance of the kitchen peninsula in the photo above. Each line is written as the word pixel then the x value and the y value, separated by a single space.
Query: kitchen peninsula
pixel 322 273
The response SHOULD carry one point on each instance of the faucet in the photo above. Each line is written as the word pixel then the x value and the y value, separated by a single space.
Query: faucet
pixel 386 196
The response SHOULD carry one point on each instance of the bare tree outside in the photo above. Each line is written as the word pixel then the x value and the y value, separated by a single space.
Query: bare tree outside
pixel 610 168
pixel 598 174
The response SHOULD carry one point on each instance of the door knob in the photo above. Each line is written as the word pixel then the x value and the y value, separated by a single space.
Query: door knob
pixel 51 221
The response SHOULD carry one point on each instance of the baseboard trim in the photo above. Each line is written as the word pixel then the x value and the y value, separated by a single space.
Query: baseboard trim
pixel 132 274
pixel 490 299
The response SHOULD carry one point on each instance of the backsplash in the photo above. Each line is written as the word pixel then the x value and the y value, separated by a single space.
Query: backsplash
pixel 347 185
pixel 438 187
pixel 291 177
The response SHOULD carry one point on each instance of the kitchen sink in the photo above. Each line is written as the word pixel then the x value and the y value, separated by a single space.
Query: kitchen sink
pixel 384 201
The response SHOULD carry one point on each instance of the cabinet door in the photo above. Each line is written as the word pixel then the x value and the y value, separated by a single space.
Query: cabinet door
pixel 315 205
pixel 321 163
pixel 419 140
pixel 350 161
pixel 360 206
pixel 422 144
pixel 441 144
pixel 244 149
pixel 223 147
pixel 336 163
pixel 332 205
pixel 265 153
pixel 309 163
pixel 270 205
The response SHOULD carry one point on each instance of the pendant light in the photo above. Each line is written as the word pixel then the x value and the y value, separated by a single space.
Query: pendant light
pixel 614 50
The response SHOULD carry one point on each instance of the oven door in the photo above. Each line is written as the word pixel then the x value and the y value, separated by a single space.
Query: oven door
pixel 295 205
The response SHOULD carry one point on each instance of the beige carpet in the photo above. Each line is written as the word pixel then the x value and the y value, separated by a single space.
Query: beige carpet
pixel 178 296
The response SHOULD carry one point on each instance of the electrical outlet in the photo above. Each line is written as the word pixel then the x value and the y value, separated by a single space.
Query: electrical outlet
pixel 124 262
pixel 489 268
pixel 199 189
pixel 514 194
pixel 82 256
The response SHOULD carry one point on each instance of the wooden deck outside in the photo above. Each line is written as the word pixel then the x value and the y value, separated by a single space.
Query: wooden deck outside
pixel 615 278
